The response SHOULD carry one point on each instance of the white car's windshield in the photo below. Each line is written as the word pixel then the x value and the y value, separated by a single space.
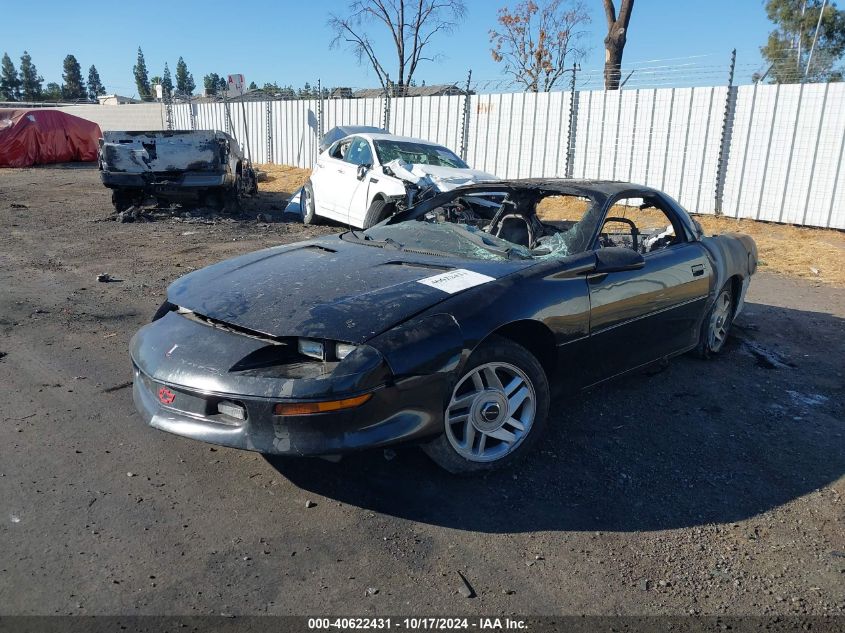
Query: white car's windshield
pixel 417 154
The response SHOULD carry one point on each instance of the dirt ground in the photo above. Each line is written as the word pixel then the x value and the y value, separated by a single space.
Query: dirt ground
pixel 709 487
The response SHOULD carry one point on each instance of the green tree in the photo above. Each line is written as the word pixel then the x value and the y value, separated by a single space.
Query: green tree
pixel 214 84
pixel 31 82
pixel 9 82
pixel 95 86
pixel 184 80
pixel 253 85
pixel 74 87
pixel 142 80
pixel 53 92
pixel 166 83
pixel 790 46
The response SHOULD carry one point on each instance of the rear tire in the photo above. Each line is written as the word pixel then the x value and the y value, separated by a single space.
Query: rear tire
pixel 378 211
pixel 123 199
pixel 717 324
pixel 307 204
pixel 497 412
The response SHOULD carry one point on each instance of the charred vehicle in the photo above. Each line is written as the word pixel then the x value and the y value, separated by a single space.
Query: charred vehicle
pixel 363 175
pixel 194 166
pixel 449 324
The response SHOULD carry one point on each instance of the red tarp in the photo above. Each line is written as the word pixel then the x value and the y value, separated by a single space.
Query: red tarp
pixel 36 137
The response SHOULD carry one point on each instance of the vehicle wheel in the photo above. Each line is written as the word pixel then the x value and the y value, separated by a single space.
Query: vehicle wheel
pixel 378 211
pixel 213 200
pixel 122 200
pixel 231 200
pixel 717 323
pixel 251 185
pixel 497 412
pixel 306 203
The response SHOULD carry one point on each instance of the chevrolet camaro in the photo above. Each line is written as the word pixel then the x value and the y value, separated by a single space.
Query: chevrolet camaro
pixel 449 325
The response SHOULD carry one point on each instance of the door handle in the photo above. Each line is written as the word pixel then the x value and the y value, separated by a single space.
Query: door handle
pixel 697 270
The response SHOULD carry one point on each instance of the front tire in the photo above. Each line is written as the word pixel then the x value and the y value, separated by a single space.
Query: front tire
pixel 306 202
pixel 378 211
pixel 497 412
pixel 717 323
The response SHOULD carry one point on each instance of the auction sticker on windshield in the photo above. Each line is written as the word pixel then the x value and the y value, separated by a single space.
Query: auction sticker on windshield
pixel 456 280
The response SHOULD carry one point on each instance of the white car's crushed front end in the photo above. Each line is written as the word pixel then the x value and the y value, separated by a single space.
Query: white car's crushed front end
pixel 436 177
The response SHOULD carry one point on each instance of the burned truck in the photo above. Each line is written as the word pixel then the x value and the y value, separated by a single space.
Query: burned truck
pixel 198 167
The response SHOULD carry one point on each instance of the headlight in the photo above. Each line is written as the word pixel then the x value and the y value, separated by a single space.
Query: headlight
pixel 342 350
pixel 314 349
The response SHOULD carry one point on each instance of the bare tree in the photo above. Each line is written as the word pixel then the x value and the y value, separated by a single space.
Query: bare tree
pixel 614 43
pixel 411 24
pixel 538 44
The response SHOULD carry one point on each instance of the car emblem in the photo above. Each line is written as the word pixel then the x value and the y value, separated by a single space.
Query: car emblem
pixel 166 396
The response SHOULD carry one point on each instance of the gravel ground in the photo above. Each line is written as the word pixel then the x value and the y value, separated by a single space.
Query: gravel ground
pixel 709 487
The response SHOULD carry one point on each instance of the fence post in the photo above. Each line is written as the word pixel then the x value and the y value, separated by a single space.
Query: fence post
pixel 725 141
pixel 465 126
pixel 268 118
pixel 387 91
pixel 168 110
pixel 573 118
pixel 319 111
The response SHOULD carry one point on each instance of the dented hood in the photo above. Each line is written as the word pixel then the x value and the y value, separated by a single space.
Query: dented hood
pixel 326 288
pixel 441 178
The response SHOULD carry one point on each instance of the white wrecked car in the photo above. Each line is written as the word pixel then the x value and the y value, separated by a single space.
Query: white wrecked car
pixel 365 177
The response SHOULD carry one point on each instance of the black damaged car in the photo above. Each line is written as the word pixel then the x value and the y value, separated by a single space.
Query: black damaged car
pixel 448 325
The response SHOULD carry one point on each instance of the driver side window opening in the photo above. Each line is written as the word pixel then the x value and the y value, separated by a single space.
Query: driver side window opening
pixel 359 152
pixel 641 224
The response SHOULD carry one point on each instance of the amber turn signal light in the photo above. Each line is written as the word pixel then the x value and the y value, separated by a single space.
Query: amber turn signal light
pixel 310 408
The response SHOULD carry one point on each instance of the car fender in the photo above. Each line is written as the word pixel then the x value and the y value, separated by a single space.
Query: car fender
pixel 427 344
pixel 552 305
pixel 383 186
pixel 731 255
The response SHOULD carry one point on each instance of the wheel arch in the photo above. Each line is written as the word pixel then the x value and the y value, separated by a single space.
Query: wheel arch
pixel 736 290
pixel 534 336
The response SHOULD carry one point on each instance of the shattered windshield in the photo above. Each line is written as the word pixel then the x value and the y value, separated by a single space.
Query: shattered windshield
pixel 417 154
pixel 492 226
pixel 445 239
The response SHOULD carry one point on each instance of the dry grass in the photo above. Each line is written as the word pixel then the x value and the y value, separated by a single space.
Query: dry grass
pixel 817 254
pixel 810 253
pixel 789 250
pixel 283 179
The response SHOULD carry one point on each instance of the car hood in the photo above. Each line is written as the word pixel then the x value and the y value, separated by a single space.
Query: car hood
pixel 442 178
pixel 325 288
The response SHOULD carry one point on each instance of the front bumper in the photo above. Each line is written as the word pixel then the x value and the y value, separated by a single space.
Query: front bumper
pixel 410 409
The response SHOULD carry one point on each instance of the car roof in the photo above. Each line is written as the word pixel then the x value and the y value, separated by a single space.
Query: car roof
pixel 601 191
pixel 374 136
pixel 570 186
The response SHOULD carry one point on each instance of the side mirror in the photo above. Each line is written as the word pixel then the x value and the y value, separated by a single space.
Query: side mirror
pixel 362 171
pixel 616 259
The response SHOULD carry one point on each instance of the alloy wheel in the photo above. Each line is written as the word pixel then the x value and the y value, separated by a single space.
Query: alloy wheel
pixel 720 320
pixel 491 412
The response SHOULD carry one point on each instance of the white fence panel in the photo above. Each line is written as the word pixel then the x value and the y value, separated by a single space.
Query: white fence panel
pixel 782 157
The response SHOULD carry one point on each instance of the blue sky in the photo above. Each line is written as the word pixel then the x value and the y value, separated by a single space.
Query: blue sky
pixel 287 41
